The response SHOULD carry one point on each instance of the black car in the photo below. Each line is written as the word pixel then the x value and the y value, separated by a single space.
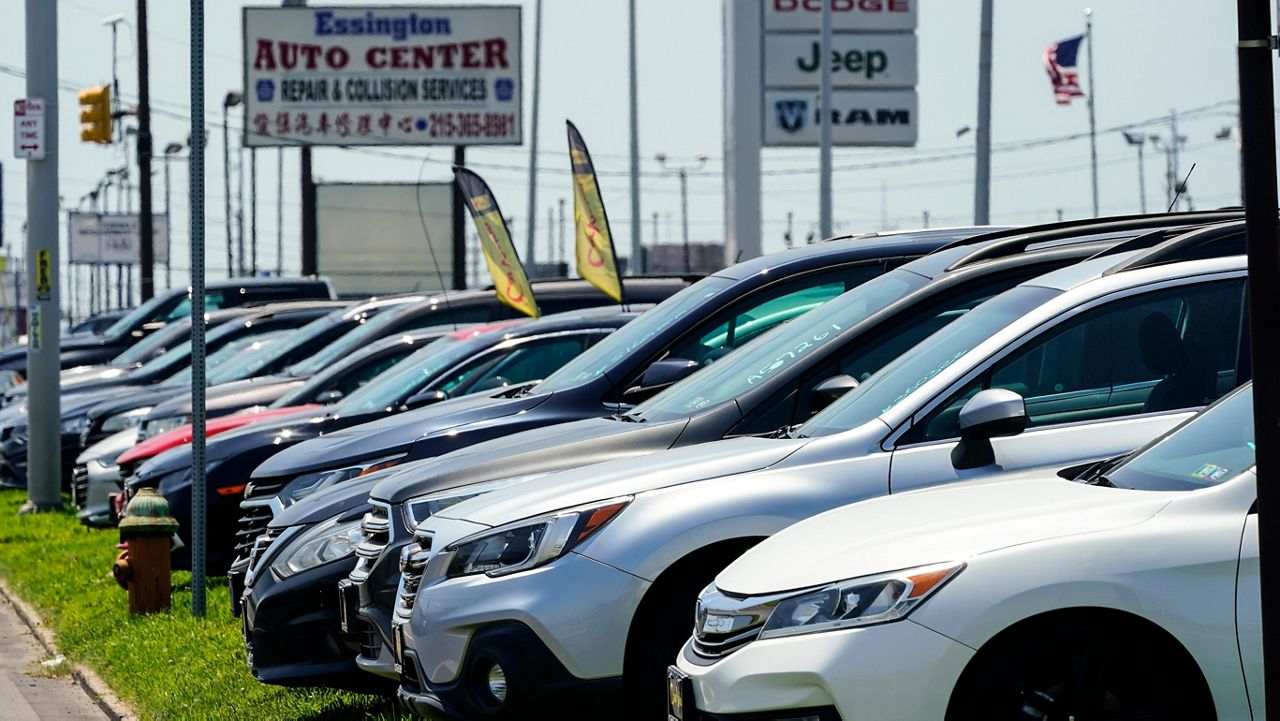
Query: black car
pixel 471 360
pixel 173 304
pixel 774 383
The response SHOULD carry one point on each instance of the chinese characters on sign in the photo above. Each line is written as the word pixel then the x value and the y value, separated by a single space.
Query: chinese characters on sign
pixel 387 75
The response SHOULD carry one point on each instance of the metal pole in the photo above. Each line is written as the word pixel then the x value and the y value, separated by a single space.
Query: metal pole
pixel 1257 132
pixel 279 211
pixel 226 187
pixel 1093 128
pixel 636 259
pixel 44 466
pixel 551 237
pixel 240 266
pixel 824 128
pixel 530 255
pixel 195 183
pixel 564 257
pixel 982 166
pixel 168 224
pixel 1142 179
pixel 253 211
pixel 1175 173
pixel 684 215
pixel 310 254
pixel 459 224
pixel 146 250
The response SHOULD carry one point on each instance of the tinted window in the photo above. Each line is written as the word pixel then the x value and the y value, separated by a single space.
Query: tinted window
pixel 212 301
pixel 525 362
pixel 1159 351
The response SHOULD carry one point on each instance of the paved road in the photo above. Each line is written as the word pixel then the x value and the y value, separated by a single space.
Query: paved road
pixel 24 697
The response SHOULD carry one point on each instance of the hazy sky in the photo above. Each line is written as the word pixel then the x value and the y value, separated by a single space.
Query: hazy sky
pixel 1151 56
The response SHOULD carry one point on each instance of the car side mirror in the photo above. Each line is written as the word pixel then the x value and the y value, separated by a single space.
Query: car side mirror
pixel 992 413
pixel 826 392
pixel 333 395
pixel 426 398
pixel 667 372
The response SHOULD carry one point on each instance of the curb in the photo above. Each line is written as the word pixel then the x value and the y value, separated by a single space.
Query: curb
pixel 98 691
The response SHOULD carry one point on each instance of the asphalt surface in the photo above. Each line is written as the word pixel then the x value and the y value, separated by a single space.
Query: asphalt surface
pixel 26 693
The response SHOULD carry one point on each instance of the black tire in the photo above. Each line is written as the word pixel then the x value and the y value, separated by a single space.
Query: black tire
pixel 1088 670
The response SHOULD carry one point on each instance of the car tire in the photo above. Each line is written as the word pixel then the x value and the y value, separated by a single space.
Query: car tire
pixel 1086 668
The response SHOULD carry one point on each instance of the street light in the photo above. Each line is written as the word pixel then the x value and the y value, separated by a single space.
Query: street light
pixel 1137 139
pixel 169 151
pixel 683 172
pixel 231 100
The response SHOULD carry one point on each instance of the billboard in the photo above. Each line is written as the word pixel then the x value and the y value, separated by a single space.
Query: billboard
pixel 382 75
pixel 113 238
pixel 374 239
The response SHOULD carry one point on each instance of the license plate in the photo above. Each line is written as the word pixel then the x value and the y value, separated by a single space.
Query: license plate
pixel 679 695
pixel 348 599
pixel 397 644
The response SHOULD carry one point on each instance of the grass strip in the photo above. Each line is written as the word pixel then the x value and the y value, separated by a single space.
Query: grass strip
pixel 167 665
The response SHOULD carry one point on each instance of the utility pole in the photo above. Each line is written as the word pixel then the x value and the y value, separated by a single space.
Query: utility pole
pixel 459 224
pixel 146 248
pixel 1257 138
pixel 564 255
pixel 1175 174
pixel 787 239
pixel 169 151
pixel 924 219
pixel 44 467
pixel 1140 141
pixel 982 168
pixel 253 211
pixel 824 130
pixel 636 252
pixel 195 185
pixel 279 211
pixel 551 234
pixel 310 249
pixel 1093 128
pixel 683 173
pixel 531 248
pixel 240 266
pixel 229 100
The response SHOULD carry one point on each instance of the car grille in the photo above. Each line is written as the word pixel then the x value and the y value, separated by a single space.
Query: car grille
pixel 264 489
pixel 259 549
pixel 724 623
pixel 413 561
pixel 409 675
pixel 254 519
pixel 80 486
pixel 370 641
pixel 376 531
pixel 720 645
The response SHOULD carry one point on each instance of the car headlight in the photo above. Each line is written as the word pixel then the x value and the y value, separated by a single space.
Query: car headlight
pixel 325 543
pixel 128 419
pixel 74 425
pixel 530 543
pixel 307 484
pixel 419 509
pixel 156 426
pixel 857 602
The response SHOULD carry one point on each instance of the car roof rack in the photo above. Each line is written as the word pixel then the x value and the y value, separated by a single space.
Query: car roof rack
pixel 1213 241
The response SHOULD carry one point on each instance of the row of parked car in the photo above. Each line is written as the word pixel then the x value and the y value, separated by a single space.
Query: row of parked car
pixel 886 476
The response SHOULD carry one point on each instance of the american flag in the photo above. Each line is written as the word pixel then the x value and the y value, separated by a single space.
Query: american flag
pixel 1060 63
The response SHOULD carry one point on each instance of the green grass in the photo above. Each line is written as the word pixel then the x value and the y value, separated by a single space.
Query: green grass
pixel 166 666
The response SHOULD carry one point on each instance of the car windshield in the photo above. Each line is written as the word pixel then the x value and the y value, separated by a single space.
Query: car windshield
pixel 349 342
pixel 408 376
pixel 143 350
pixel 146 312
pixel 901 377
pixel 235 360
pixel 180 355
pixel 599 359
pixel 1211 448
pixel 775 351
pixel 300 338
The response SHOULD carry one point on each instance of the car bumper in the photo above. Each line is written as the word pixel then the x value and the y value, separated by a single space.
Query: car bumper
pixel 894 670
pixel 101 481
pixel 292 633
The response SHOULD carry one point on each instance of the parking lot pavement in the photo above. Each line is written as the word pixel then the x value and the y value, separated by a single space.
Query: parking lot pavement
pixel 26 694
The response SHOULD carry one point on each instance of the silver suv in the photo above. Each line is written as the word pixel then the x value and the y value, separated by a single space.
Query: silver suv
pixel 576 581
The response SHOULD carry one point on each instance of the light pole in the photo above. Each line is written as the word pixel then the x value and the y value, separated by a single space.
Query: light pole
pixel 683 172
pixel 231 100
pixel 169 151
pixel 1138 140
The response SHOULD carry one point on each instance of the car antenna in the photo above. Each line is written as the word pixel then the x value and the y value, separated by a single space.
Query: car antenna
pixel 1181 187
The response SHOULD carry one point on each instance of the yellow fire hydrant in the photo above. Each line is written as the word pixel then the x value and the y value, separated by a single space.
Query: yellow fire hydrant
pixel 144 567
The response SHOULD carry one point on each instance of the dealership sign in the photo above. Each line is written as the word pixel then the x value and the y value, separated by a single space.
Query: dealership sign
pixel 858 60
pixel 858 117
pixel 113 238
pixel 846 15
pixel 382 75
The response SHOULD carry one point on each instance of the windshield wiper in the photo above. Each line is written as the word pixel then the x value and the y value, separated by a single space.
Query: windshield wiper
pixel 1101 480
pixel 627 418
pixel 785 432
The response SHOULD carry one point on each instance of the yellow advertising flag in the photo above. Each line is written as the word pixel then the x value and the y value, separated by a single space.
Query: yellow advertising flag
pixel 597 261
pixel 495 240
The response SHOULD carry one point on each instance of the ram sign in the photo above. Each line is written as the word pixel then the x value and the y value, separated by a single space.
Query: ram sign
pixel 858 117
pixel 382 75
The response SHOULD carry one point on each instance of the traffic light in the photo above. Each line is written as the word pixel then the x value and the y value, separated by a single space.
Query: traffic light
pixel 95 114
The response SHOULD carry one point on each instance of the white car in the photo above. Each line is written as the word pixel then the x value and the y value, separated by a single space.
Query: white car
pixel 1128 592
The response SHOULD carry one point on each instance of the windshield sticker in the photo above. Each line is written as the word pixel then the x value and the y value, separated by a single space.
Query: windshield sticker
pixel 1211 472
pixel 802 347
pixel 924 379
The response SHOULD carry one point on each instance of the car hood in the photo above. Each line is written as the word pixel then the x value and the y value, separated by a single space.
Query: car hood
pixel 109 449
pixel 181 435
pixel 126 397
pixel 347 498
pixel 392 433
pixel 115 399
pixel 230 443
pixel 623 477
pixel 949 523
pixel 231 396
pixel 537 451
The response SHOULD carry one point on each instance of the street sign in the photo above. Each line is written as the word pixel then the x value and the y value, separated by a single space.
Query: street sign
pixel 382 75
pixel 858 60
pixel 28 128
pixel 44 274
pixel 846 15
pixel 858 117
pixel 113 238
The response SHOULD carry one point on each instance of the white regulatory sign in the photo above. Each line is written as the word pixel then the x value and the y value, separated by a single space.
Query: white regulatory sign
pixel 383 75
pixel 28 128
pixel 858 117
pixel 858 60
pixel 845 15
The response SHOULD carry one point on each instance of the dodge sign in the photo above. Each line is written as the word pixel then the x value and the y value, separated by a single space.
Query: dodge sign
pixel 382 75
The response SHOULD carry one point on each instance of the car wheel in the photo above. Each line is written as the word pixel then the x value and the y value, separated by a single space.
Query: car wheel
pixel 1086 671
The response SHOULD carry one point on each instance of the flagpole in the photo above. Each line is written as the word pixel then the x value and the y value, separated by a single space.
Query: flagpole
pixel 1093 127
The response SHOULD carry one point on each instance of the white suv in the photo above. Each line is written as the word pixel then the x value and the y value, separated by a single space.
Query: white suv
pixel 1129 593
pixel 576 585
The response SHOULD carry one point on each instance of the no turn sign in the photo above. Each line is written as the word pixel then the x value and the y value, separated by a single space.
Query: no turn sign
pixel 28 128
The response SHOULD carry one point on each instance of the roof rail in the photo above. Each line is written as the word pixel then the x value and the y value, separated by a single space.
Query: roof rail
pixel 1069 228
pixel 1214 241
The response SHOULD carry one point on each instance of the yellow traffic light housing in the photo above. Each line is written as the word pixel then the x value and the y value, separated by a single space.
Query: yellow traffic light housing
pixel 95 114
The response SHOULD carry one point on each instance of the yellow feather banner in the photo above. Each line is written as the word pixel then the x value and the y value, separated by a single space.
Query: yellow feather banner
pixel 597 261
pixel 495 240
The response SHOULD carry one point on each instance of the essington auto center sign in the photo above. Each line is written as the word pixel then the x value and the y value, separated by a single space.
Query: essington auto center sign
pixel 382 75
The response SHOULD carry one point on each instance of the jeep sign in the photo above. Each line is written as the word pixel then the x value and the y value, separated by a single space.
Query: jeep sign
pixel 858 117
pixel 858 60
